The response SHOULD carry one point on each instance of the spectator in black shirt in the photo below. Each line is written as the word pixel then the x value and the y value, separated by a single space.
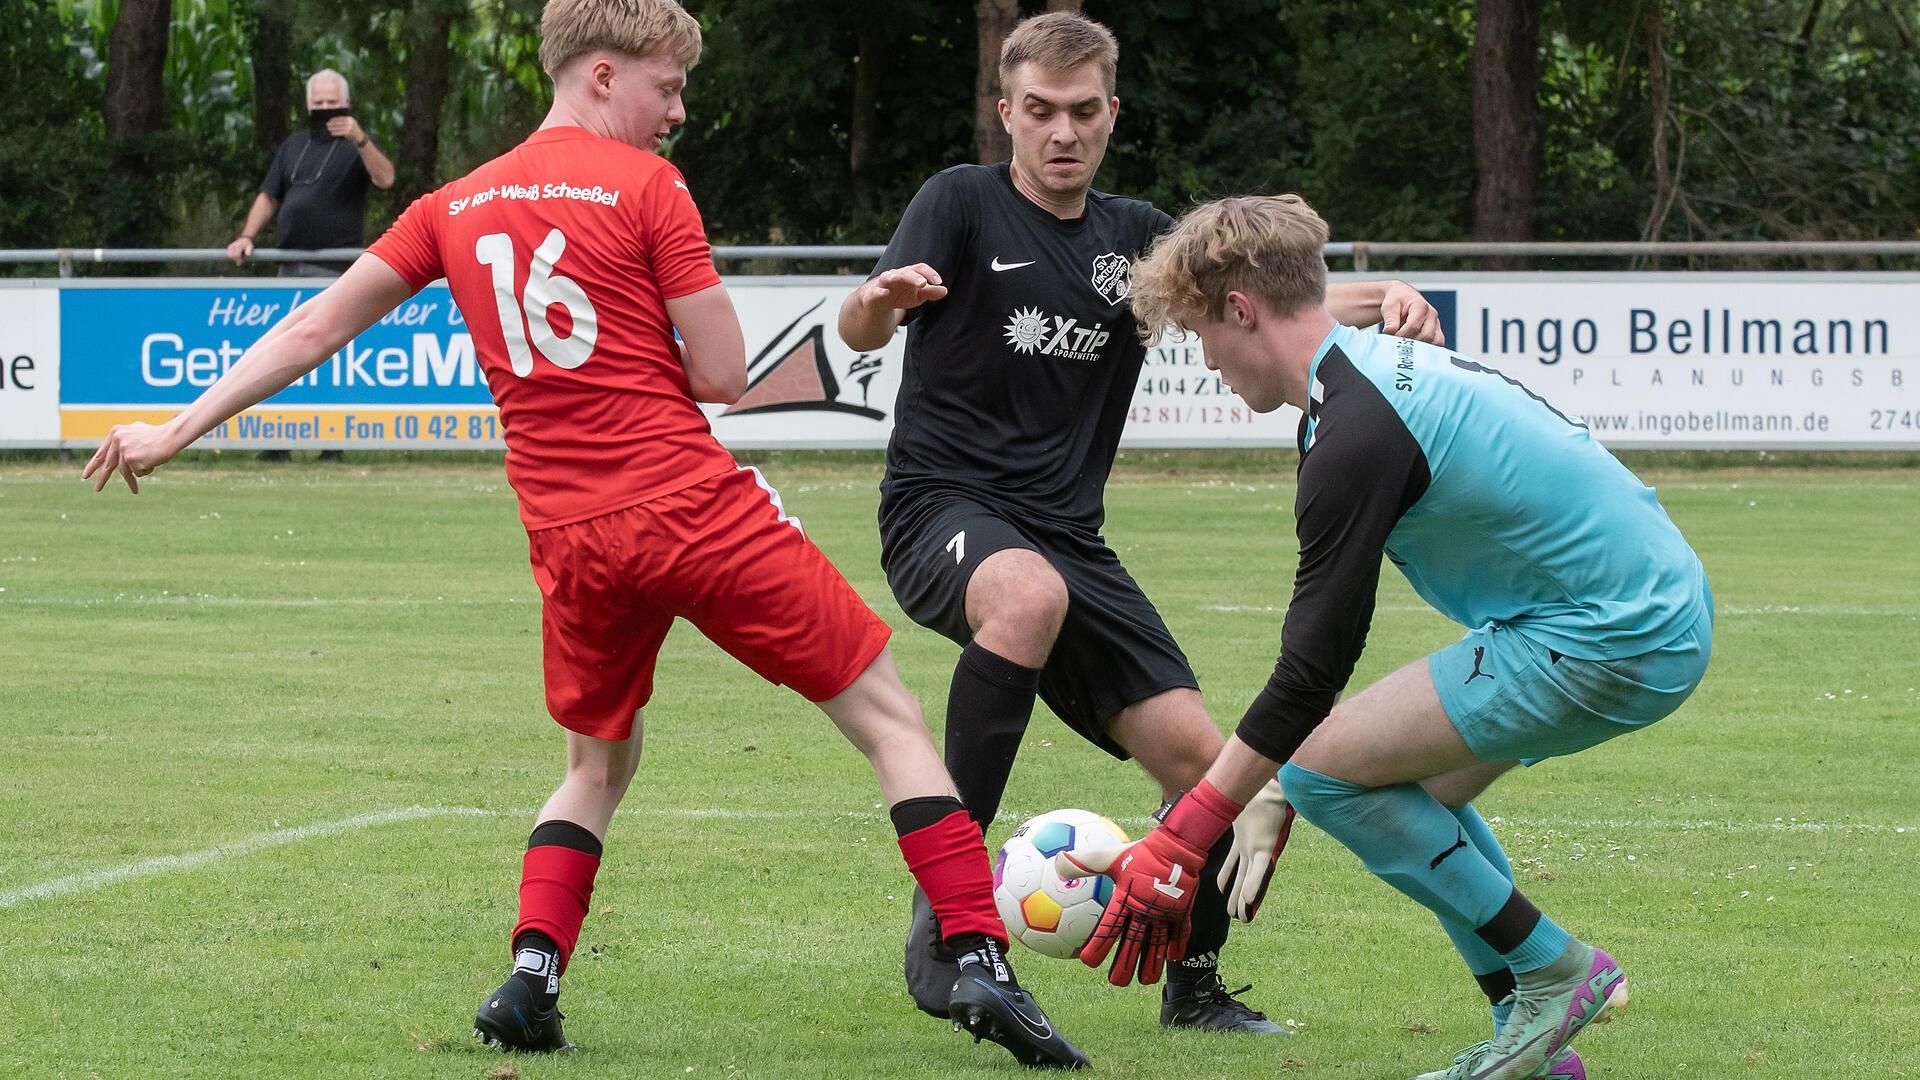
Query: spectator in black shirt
pixel 317 184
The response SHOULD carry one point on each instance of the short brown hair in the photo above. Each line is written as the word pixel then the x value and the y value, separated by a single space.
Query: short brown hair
pixel 1267 246
pixel 1059 41
pixel 569 28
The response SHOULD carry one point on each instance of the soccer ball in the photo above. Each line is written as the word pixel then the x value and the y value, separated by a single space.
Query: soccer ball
pixel 1043 911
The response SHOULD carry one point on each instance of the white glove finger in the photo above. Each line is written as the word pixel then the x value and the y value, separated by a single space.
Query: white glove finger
pixel 1224 879
pixel 1252 884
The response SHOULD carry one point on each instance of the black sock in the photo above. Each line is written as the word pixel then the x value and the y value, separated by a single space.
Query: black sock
pixel 984 952
pixel 536 962
pixel 1210 921
pixel 1511 924
pixel 912 815
pixel 1496 985
pixel 988 707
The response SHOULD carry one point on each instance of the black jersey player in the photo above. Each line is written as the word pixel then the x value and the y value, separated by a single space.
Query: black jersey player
pixel 1021 356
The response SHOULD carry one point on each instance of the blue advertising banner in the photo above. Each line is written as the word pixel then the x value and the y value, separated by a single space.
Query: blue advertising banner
pixel 411 380
pixel 164 346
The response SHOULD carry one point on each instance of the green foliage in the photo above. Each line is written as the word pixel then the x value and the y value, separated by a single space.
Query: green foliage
pixel 51 137
pixel 1785 143
pixel 1364 106
pixel 769 108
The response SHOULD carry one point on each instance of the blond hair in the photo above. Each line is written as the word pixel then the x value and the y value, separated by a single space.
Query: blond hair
pixel 1059 41
pixel 569 28
pixel 1267 246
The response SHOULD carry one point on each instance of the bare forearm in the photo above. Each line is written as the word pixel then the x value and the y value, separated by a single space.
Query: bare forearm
pixel 1240 771
pixel 1356 303
pixel 288 351
pixel 867 324
pixel 378 167
pixel 258 215
pixel 706 389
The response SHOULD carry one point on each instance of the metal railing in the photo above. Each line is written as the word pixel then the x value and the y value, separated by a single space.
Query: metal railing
pixel 67 257
pixel 1360 251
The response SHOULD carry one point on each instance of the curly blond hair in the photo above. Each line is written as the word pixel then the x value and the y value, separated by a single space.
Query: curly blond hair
pixel 569 28
pixel 1267 246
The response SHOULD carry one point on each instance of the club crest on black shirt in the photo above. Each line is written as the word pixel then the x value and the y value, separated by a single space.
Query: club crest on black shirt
pixel 1113 276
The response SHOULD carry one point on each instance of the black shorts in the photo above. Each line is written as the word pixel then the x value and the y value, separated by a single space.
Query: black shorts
pixel 1113 649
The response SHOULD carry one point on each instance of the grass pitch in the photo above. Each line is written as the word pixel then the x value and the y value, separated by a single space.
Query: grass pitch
pixel 274 734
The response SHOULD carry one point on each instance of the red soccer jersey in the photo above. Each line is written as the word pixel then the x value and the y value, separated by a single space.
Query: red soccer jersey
pixel 561 255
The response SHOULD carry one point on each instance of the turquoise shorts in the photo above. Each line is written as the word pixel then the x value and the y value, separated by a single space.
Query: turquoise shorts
pixel 1513 698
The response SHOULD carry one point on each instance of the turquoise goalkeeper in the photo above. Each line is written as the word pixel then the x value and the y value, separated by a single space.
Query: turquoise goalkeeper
pixel 1588 616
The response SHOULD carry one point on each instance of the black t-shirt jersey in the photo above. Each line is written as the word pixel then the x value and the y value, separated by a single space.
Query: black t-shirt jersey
pixel 321 186
pixel 1017 382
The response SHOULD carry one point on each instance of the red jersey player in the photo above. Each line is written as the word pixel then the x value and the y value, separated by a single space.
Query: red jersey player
pixel 574 258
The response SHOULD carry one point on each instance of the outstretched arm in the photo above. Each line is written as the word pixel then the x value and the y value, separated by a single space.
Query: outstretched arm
pixel 926 247
pixel 296 345
pixel 872 312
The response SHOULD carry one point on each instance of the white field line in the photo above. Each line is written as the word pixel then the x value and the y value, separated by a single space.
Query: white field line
pixel 1742 612
pixel 168 864
pixel 206 600
pixel 1650 824
pixel 211 601
pixel 1010 815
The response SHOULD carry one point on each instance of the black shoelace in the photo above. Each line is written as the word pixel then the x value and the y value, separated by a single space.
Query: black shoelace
pixel 1211 990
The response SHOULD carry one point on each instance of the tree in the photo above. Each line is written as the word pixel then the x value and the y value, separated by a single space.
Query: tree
pixel 1506 122
pixel 994 19
pixel 272 75
pixel 136 70
pixel 865 121
pixel 135 117
pixel 429 74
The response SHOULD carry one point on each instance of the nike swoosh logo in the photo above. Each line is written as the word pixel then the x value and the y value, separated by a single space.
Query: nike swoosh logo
pixel 999 266
pixel 1517 1051
pixel 1040 1029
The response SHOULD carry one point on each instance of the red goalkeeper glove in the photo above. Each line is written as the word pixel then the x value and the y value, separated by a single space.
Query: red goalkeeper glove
pixel 1154 883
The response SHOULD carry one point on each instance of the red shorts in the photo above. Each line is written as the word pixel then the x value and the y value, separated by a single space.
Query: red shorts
pixel 721 554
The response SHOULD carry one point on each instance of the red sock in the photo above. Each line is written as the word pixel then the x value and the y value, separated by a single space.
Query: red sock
pixel 556 881
pixel 949 861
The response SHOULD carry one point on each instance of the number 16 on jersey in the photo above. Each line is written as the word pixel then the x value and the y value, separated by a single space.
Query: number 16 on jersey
pixel 544 289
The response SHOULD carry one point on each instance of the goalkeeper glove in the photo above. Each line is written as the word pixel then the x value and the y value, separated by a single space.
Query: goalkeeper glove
pixel 1259 836
pixel 1154 882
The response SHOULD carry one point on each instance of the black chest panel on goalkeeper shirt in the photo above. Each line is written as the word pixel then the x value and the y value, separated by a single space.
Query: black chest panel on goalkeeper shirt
pixel 1017 383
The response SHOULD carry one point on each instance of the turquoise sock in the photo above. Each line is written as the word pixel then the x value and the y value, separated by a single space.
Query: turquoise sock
pixel 1542 947
pixel 1482 836
pixel 1408 839
pixel 1480 957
